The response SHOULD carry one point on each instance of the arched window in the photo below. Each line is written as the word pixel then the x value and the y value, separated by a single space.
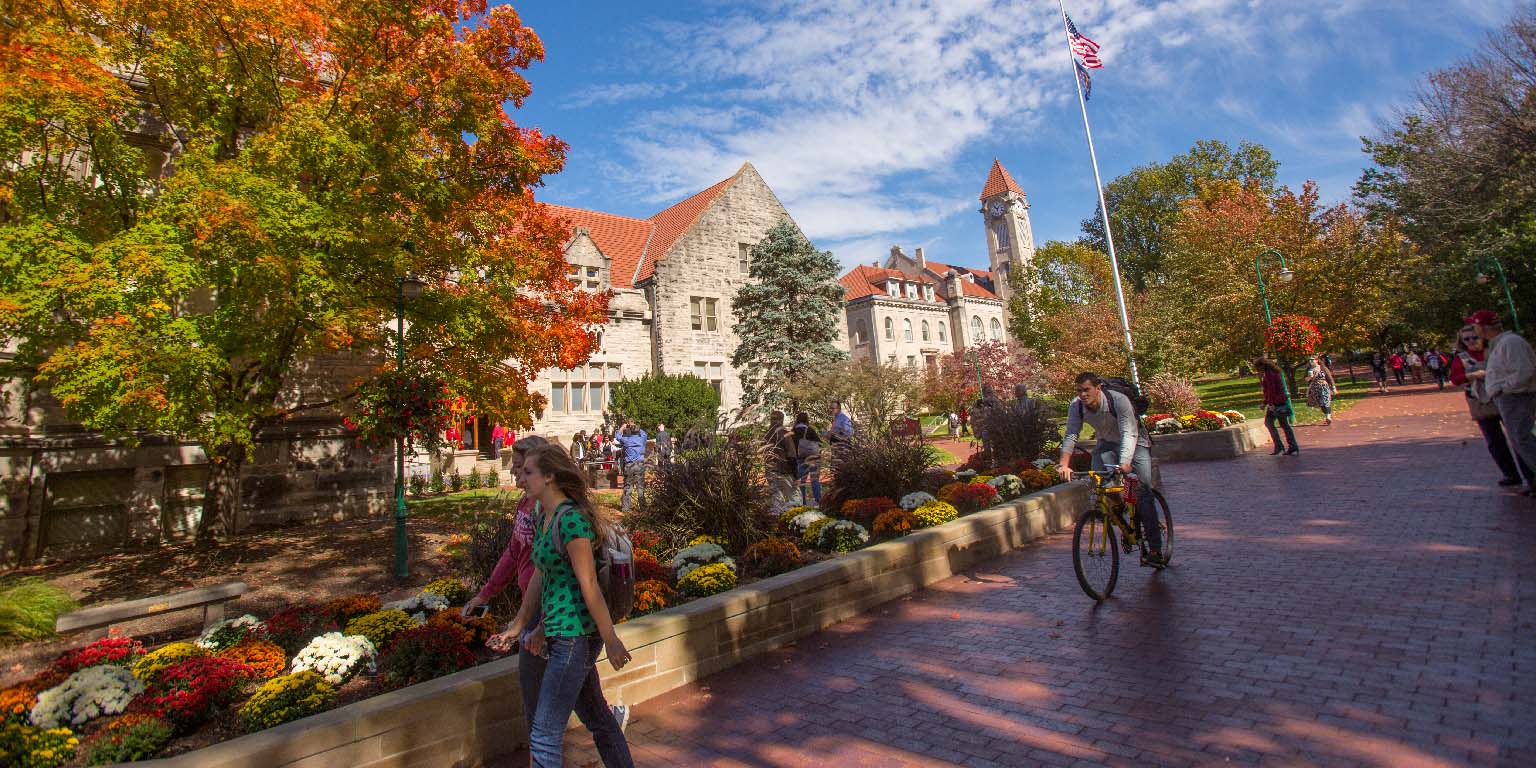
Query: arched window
pixel 977 334
pixel 942 333
pixel 860 332
pixel 925 330
pixel 890 329
pixel 997 329
pixel 906 330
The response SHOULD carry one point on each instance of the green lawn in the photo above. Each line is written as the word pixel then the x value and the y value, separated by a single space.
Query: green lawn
pixel 458 507
pixel 1242 394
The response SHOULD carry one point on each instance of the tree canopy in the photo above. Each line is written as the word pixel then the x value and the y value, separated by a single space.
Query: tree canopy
pixel 198 205
pixel 681 401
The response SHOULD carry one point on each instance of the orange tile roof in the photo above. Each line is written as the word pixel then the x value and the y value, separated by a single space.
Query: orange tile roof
pixel 940 269
pixel 673 222
pixel 976 289
pixel 999 181
pixel 620 238
pixel 861 281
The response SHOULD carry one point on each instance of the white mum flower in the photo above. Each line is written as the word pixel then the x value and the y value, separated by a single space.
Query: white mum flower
pixel 335 656
pixel 246 622
pixel 915 499
pixel 88 694
pixel 804 520
pixel 698 554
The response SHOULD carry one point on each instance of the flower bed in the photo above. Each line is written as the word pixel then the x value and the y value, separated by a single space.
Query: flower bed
pixel 1200 420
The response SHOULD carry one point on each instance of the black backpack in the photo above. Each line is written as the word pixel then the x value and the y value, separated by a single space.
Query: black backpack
pixel 1138 400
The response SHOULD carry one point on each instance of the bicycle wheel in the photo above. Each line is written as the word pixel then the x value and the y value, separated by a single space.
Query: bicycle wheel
pixel 1164 524
pixel 1095 554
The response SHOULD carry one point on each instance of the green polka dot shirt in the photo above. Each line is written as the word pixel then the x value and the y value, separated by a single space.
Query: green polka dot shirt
pixel 565 611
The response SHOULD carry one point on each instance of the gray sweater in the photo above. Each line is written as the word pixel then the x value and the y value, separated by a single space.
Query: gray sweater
pixel 1117 425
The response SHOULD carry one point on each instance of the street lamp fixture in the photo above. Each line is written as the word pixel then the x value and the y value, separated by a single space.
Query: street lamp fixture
pixel 1286 276
pixel 1488 262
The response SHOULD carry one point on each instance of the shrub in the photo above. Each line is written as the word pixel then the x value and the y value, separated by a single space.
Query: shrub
pixel 647 567
pixel 473 481
pixel 455 481
pixel 812 535
pixel 863 511
pixel 874 465
pixel 293 627
pixel 228 632
pixel 188 693
pixel 265 658
pixel 1008 486
pixel 489 535
pixel 475 630
pixel 935 478
pixel 1016 431
pixel 129 738
pixel 436 484
pixel 154 662
pixel 707 580
pixel 718 488
pixel 285 699
pixel 1170 393
pixel 493 478
pixel 934 513
pixel 652 595
pixel 681 401
pixel 974 496
pixel 28 608
pixel 119 651
pixel 335 656
pixel 345 609
pixel 450 588
pixel 894 522
pixel 771 556
pixel 88 694
pixel 25 746
pixel 380 627
pixel 915 499
pixel 843 536
pixel 418 484
pixel 424 653
pixel 947 493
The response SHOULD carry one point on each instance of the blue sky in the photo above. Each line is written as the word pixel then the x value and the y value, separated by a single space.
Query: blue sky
pixel 875 121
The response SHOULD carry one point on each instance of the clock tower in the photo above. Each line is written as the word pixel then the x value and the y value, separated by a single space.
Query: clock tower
pixel 1010 241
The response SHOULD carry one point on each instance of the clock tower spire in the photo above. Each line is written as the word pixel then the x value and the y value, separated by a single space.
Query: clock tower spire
pixel 1009 237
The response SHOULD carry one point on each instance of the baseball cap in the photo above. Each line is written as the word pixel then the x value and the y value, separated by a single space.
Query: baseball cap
pixel 1483 317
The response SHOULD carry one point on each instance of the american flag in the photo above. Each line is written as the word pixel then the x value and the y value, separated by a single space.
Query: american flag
pixel 1082 46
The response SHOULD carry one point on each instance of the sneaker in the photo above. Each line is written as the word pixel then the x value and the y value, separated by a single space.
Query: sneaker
pixel 1155 559
pixel 621 714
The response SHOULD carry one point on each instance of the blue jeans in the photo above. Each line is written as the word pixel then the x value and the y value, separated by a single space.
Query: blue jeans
pixel 1107 455
pixel 811 470
pixel 570 684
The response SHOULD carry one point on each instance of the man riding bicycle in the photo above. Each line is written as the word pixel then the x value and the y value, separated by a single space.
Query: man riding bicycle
pixel 1122 443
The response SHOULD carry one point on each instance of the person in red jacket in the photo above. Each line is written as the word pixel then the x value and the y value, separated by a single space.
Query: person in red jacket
pixel 1277 408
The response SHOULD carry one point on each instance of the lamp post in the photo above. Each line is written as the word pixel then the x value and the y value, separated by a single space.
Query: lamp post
pixel 409 287
pixel 1483 262
pixel 1286 275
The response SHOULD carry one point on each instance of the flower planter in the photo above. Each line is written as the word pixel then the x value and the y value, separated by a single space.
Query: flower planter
pixel 471 717
pixel 1225 443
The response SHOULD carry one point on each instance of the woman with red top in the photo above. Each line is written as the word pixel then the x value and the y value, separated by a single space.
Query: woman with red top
pixel 1469 359
pixel 1277 408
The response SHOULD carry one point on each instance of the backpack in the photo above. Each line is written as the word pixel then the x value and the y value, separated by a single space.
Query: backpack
pixel 614 559
pixel 1138 400
pixel 1433 361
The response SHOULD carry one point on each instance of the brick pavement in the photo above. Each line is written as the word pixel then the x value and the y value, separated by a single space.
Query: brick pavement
pixel 1369 602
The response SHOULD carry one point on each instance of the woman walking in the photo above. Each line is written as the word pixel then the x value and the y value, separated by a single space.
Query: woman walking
pixel 1469 359
pixel 1379 370
pixel 1321 388
pixel 808 462
pixel 564 591
pixel 1277 408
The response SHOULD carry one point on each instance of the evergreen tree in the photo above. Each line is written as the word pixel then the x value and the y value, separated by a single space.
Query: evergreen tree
pixel 787 318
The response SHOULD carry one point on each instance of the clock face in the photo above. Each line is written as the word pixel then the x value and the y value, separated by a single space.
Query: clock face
pixel 997 208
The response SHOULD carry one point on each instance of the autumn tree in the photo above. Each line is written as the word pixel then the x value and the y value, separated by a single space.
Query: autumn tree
pixel 997 364
pixel 874 394
pixel 198 202
pixel 787 317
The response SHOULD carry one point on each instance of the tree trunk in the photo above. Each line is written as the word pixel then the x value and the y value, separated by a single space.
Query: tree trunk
pixel 221 494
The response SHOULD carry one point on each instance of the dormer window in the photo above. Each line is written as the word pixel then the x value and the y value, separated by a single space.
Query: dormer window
pixel 928 293
pixel 911 290
pixel 893 288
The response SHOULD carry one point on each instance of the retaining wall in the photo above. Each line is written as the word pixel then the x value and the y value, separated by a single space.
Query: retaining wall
pixel 1225 443
pixel 467 718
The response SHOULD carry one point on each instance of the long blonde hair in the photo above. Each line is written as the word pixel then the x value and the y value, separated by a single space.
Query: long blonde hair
pixel 550 459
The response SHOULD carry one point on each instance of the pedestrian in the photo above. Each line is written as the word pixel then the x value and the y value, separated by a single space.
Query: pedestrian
pixel 578 447
pixel 564 593
pixel 1437 365
pixel 954 424
pixel 1509 377
pixel 1277 408
pixel 663 444
pixel 1469 360
pixel 965 421
pixel 1397 367
pixel 808 462
pixel 1321 388
pixel 842 425
pixel 780 462
pixel 1379 367
pixel 631 442
pixel 1416 367
pixel 498 435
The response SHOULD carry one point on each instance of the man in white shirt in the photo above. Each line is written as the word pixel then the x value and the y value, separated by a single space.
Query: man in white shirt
pixel 1509 378
pixel 1121 442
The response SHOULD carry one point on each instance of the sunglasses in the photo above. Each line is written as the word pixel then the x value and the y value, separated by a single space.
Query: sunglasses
pixel 1470 338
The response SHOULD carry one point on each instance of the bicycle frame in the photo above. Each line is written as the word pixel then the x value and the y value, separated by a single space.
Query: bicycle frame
pixel 1105 488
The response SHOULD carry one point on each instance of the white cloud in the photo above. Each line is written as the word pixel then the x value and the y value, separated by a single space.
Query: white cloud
pixel 616 92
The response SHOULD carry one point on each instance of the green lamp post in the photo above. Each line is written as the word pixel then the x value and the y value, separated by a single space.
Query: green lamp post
pixel 1286 275
pixel 409 287
pixel 1483 262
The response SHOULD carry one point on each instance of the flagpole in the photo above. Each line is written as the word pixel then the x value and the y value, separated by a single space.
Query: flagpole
pixel 1109 237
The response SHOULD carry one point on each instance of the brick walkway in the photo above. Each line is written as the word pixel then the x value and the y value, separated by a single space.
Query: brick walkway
pixel 1369 602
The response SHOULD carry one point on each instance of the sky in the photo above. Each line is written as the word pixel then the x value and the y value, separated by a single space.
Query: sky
pixel 876 121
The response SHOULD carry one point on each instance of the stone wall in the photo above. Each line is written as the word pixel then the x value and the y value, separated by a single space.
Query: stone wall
pixel 473 717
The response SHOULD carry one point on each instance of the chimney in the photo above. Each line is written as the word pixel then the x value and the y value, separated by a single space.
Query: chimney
pixel 922 263
pixel 952 285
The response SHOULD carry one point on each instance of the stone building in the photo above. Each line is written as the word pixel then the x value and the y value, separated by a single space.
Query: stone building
pixel 912 310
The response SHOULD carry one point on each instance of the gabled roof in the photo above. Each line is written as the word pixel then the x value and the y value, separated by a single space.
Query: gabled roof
pixel 999 181
pixel 634 245
pixel 865 280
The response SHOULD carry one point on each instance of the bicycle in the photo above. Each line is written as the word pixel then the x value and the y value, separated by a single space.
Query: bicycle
pixel 1095 546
